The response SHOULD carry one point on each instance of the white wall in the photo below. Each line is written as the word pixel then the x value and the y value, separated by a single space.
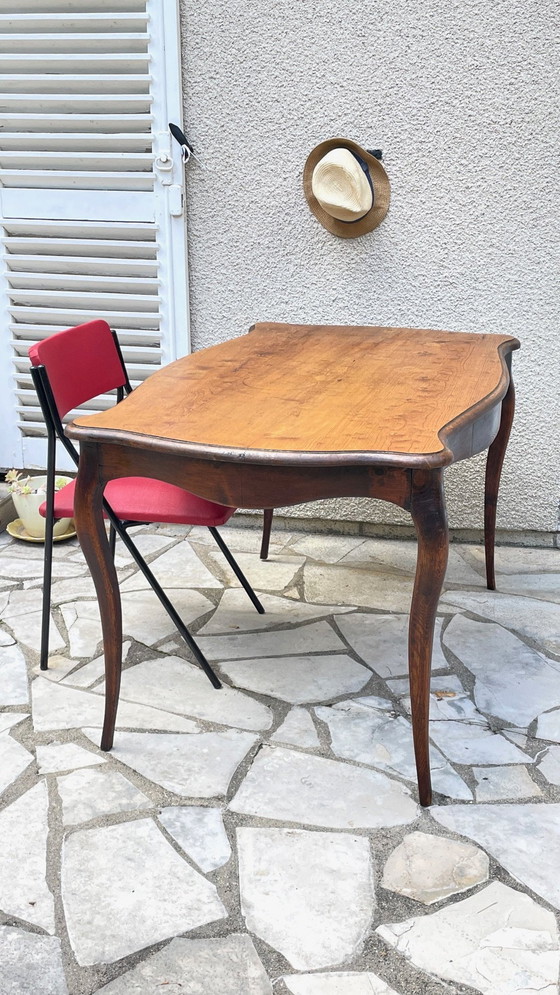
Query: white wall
pixel 460 97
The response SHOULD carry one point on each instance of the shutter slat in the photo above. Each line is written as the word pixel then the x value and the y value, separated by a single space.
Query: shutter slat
pixel 46 179
pixel 111 62
pixel 76 142
pixel 69 298
pixel 78 122
pixel 98 284
pixel 77 247
pixel 74 103
pixel 85 229
pixel 112 162
pixel 77 44
pixel 69 6
pixel 25 392
pixel 82 265
pixel 21 332
pixel 144 357
pixel 77 22
pixel 20 83
pixel 65 318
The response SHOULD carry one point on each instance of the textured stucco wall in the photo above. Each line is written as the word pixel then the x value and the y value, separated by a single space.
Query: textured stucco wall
pixel 460 96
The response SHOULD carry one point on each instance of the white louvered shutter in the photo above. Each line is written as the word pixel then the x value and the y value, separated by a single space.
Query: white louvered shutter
pixel 91 190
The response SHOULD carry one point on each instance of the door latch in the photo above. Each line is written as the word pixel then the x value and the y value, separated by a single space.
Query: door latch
pixel 175 200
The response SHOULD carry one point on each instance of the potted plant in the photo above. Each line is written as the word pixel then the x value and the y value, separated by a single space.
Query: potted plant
pixel 28 494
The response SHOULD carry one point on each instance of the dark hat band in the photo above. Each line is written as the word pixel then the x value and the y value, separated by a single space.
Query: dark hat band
pixel 365 168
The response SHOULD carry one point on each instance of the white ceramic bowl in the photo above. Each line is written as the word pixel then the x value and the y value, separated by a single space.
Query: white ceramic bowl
pixel 27 507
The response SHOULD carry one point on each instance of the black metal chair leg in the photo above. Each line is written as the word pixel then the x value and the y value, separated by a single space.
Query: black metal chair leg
pixel 236 569
pixel 164 600
pixel 267 526
pixel 47 563
pixel 112 540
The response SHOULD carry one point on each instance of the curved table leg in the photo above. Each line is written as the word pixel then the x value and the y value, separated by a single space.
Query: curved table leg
pixel 430 520
pixel 494 462
pixel 90 525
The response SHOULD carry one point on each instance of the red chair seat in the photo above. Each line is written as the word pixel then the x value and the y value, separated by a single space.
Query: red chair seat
pixel 142 499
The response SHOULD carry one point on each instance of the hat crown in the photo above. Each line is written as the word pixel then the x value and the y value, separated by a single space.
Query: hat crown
pixel 341 186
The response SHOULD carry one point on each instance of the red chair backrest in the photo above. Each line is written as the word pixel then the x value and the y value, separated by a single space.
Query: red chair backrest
pixel 81 363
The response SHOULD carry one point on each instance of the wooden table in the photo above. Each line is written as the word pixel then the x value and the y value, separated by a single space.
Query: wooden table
pixel 294 413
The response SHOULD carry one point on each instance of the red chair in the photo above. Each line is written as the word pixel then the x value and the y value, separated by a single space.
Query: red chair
pixel 68 369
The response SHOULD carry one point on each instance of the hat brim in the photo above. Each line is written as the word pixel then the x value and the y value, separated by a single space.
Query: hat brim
pixel 381 191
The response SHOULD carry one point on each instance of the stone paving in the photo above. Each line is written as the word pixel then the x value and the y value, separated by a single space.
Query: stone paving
pixel 265 839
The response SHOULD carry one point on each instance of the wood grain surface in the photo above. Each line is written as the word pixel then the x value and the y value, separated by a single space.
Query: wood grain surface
pixel 319 389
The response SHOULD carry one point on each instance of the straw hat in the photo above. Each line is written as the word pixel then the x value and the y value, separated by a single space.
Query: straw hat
pixel 346 188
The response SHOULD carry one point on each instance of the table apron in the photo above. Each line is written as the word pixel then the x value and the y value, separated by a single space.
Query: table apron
pixel 250 485
pixel 476 435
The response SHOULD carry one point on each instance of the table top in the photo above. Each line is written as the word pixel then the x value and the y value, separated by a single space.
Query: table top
pixel 320 394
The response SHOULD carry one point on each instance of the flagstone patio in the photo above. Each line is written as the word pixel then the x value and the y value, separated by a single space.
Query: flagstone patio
pixel 266 838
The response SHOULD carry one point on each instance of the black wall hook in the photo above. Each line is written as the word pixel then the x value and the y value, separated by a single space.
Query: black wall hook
pixel 180 137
